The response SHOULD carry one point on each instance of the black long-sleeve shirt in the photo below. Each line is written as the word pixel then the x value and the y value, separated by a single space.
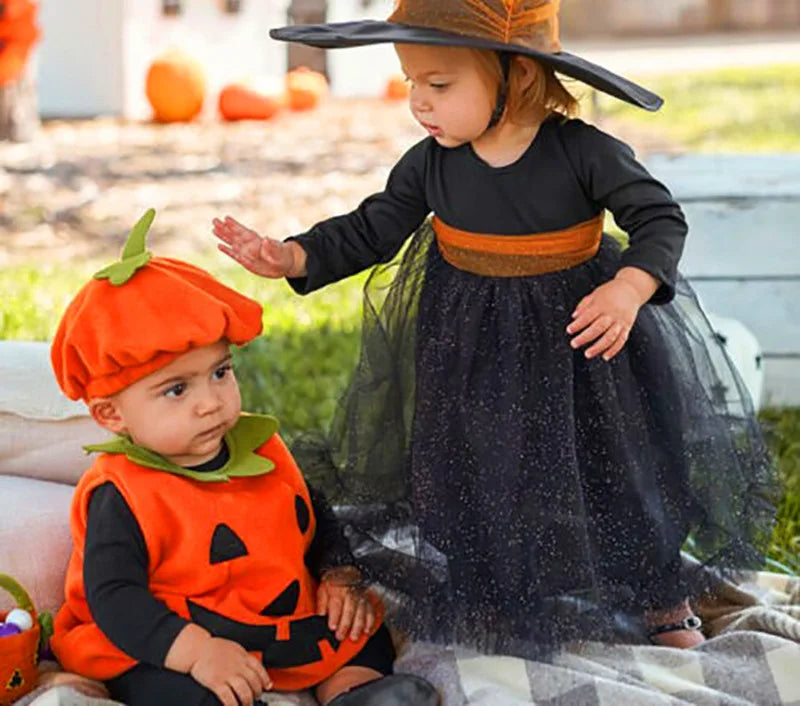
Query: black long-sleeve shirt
pixel 570 172
pixel 115 570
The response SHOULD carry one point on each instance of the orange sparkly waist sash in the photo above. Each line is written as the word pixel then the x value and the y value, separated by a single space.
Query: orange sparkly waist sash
pixel 519 255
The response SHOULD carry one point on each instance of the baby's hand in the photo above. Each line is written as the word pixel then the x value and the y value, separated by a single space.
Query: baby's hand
pixel 262 256
pixel 606 317
pixel 342 596
pixel 232 673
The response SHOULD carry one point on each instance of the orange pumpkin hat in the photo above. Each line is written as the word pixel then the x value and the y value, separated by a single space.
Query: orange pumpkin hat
pixel 141 313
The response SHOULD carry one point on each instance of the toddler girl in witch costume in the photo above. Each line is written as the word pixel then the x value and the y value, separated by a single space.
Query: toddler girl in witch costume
pixel 204 570
pixel 538 420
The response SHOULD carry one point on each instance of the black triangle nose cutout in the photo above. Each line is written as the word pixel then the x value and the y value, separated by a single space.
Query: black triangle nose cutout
pixel 226 545
pixel 285 604
pixel 303 515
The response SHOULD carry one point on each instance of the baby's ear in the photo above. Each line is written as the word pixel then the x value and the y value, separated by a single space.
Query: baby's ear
pixel 105 412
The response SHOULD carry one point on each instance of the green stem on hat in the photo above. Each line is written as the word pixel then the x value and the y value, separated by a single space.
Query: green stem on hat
pixel 134 254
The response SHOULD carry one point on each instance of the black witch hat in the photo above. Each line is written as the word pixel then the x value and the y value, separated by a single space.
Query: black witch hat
pixel 527 27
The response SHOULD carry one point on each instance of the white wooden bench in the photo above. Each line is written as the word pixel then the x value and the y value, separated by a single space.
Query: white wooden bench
pixel 743 251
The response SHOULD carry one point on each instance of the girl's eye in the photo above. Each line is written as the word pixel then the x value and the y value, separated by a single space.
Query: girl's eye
pixel 439 86
pixel 176 390
pixel 222 371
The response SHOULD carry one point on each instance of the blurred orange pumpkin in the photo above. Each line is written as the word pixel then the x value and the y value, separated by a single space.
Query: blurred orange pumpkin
pixel 305 88
pixel 396 88
pixel 18 34
pixel 239 101
pixel 175 87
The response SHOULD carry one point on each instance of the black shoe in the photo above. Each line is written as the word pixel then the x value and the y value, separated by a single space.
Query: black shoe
pixel 394 690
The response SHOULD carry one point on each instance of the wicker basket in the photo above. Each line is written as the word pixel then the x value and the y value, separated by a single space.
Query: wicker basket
pixel 19 654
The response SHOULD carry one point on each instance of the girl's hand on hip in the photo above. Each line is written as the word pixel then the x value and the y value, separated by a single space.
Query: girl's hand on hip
pixel 262 256
pixel 604 318
pixel 342 597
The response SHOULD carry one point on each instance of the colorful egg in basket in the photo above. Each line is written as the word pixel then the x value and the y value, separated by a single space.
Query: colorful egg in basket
pixel 19 652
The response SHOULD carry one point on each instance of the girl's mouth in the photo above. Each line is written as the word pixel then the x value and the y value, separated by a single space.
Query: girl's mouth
pixel 432 129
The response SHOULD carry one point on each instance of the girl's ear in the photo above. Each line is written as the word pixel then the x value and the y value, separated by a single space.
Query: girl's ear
pixel 105 411
pixel 528 71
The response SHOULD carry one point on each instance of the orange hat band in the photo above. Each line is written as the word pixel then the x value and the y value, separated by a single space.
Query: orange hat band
pixel 519 255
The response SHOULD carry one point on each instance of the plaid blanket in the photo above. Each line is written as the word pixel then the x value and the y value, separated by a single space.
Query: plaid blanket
pixel 753 657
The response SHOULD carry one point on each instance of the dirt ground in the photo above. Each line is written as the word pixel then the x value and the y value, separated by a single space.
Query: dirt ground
pixel 75 191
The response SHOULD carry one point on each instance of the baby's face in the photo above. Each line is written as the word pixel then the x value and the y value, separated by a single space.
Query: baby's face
pixel 183 410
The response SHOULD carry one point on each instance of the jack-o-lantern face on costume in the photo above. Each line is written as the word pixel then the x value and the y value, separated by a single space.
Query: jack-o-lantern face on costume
pixel 228 555
pixel 305 634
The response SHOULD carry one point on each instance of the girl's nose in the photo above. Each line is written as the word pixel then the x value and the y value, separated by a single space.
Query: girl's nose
pixel 419 102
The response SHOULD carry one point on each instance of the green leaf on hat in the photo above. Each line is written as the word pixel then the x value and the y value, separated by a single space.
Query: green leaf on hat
pixel 134 254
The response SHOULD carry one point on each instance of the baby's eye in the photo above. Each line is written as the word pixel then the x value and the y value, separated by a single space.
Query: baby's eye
pixel 176 390
pixel 439 86
pixel 222 371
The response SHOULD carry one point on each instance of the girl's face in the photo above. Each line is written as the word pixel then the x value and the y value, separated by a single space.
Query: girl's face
pixel 451 96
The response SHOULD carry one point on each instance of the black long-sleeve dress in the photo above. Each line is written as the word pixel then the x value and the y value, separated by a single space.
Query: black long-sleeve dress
pixel 510 493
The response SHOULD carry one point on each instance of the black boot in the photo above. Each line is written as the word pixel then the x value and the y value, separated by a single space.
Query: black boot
pixel 394 690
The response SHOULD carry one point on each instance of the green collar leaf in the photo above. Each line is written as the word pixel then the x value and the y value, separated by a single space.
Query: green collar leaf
pixel 134 254
pixel 250 432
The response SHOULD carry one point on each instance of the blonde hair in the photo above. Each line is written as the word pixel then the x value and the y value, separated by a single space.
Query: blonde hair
pixel 526 105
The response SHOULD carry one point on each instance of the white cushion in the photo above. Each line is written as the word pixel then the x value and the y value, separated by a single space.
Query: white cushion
pixel 41 431
pixel 35 540
pixel 28 385
pixel 47 450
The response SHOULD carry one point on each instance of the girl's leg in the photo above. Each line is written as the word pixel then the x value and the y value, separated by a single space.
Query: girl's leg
pixel 688 636
pixel 150 686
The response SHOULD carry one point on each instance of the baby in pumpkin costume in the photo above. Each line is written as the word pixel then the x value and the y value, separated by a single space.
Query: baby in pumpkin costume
pixel 204 569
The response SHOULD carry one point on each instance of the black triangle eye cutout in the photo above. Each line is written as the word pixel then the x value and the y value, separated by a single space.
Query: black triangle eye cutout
pixel 285 604
pixel 303 515
pixel 226 545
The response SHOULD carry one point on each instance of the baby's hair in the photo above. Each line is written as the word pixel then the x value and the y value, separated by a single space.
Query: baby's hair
pixel 545 94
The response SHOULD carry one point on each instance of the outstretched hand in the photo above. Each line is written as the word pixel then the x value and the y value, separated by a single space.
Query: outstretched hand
pixel 262 256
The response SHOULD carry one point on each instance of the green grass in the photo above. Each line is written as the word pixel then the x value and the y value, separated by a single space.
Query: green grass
pixel 727 110
pixel 298 368
pixel 294 371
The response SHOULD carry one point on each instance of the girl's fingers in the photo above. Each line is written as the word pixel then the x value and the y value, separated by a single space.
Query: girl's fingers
pixel 586 317
pixel 605 342
pixel 370 610
pixel 360 620
pixel 334 611
pixel 582 304
pixel 346 621
pixel 619 344
pixel 597 329
pixel 322 600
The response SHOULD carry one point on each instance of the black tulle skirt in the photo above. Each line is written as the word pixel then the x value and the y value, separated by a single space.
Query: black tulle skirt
pixel 510 495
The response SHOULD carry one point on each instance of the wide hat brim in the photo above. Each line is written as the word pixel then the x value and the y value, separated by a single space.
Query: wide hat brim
pixel 336 35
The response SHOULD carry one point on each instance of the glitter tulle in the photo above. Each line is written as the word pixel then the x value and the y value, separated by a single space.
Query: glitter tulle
pixel 510 495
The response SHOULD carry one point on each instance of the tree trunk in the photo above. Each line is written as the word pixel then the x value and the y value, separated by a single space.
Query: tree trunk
pixel 307 12
pixel 19 117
